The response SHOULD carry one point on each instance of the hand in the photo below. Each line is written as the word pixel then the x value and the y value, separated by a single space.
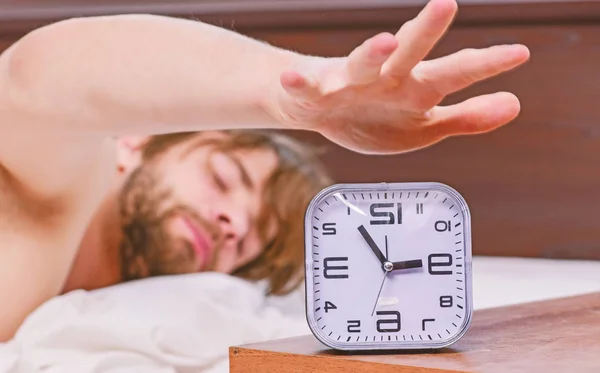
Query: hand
pixel 383 98
pixel 372 244
pixel 407 264
pixel 379 293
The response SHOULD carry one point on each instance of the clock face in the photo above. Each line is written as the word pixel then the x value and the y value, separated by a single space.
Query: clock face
pixel 388 266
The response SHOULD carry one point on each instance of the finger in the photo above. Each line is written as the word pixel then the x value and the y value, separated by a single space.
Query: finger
pixel 418 36
pixel 476 115
pixel 459 70
pixel 364 63
pixel 302 88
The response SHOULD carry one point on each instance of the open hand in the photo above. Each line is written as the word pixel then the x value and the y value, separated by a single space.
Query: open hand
pixel 383 98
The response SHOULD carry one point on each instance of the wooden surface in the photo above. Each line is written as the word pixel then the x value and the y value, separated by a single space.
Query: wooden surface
pixel 556 336
pixel 533 187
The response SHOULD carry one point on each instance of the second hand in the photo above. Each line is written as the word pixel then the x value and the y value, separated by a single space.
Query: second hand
pixel 384 277
pixel 377 299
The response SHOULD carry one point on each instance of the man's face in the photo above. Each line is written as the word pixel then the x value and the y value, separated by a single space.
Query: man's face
pixel 194 209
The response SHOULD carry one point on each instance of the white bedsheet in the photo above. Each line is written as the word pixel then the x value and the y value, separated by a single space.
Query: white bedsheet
pixel 187 323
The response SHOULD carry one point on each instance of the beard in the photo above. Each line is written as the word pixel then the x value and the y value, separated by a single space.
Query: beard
pixel 147 248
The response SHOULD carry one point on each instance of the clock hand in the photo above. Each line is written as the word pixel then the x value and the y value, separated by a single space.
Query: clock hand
pixel 372 244
pixel 378 294
pixel 407 264
pixel 387 257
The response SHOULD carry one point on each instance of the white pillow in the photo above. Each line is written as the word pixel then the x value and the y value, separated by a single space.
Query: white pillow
pixel 163 324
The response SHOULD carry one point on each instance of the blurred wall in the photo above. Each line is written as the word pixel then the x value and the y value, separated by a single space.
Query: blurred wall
pixel 533 186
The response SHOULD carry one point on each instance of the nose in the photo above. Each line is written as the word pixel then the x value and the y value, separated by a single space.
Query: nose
pixel 233 225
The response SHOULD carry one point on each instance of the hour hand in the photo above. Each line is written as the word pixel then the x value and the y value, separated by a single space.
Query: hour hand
pixel 372 244
pixel 407 264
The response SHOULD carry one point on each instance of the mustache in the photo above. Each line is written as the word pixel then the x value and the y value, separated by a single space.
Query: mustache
pixel 214 230
pixel 149 249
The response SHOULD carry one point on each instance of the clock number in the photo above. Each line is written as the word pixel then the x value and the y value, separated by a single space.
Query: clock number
pixel 388 216
pixel 382 214
pixel 328 268
pixel 419 209
pixel 446 301
pixel 426 321
pixel 329 306
pixel 399 213
pixel 353 326
pixel 329 229
pixel 446 261
pixel 443 226
pixel 395 321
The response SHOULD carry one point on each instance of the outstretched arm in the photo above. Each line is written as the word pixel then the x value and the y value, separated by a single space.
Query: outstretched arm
pixel 81 80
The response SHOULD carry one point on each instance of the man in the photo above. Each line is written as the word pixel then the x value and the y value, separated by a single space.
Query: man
pixel 226 201
pixel 68 89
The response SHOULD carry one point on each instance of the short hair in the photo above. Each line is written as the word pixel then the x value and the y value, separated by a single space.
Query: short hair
pixel 299 175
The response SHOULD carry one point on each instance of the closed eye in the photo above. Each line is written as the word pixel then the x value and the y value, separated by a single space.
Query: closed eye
pixel 219 182
pixel 246 180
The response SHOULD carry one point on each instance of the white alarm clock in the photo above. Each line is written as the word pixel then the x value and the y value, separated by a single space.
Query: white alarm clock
pixel 388 266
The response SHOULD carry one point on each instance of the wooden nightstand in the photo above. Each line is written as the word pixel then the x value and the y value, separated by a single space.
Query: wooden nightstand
pixel 556 336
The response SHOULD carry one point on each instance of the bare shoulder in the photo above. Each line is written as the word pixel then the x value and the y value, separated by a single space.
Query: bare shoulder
pixel 41 228
pixel 51 176
pixel 40 238
pixel 27 245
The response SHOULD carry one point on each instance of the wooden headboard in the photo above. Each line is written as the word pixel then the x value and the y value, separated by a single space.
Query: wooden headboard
pixel 533 187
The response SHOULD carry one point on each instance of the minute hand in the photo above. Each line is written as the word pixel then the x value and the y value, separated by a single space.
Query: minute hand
pixel 372 244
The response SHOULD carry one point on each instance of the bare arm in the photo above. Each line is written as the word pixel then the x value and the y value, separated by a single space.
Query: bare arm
pixel 69 85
